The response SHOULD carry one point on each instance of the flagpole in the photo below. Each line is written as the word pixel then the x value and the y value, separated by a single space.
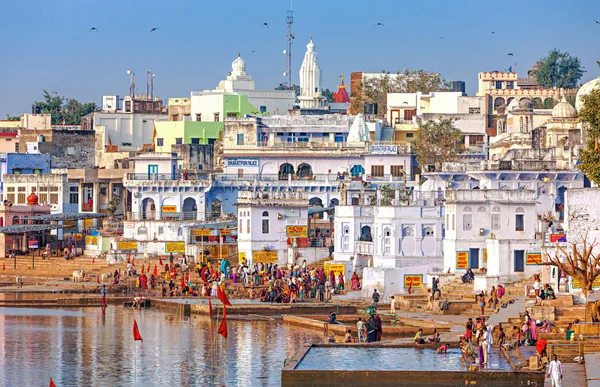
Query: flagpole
pixel 134 364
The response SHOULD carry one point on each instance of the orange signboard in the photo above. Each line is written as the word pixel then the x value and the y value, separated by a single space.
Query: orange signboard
pixel 413 281
pixel 174 247
pixel 91 240
pixel 169 208
pixel 296 231
pixel 264 256
pixel 336 268
pixel 225 232
pixel 201 232
pixel 462 260
pixel 127 245
pixel 533 258
pixel 484 255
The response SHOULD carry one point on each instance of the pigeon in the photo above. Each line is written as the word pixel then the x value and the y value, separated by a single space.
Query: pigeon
pixel 510 54
pixel 379 24
pixel 93 29
pixel 266 25
pixel 154 29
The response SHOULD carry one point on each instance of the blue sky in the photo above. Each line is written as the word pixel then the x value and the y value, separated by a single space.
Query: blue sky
pixel 46 44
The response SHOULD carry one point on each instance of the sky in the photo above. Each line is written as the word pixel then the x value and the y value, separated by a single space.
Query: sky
pixel 47 44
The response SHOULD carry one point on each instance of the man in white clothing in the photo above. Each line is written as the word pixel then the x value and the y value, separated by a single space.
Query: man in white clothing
pixel 554 372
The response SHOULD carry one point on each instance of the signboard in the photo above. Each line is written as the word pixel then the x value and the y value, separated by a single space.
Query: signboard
pixel 87 223
pixel 201 232
pixel 296 231
pixel 91 240
pixel 264 256
pixel 174 247
pixel 33 244
pixel 225 232
pixel 484 255
pixel 127 245
pixel 383 149
pixel 462 260
pixel 169 209
pixel 218 252
pixel 414 281
pixel 242 163
pixel 533 258
pixel 576 285
pixel 558 238
pixel 335 267
pixel 241 256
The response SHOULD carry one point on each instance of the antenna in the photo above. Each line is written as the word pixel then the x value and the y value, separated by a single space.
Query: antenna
pixel 289 21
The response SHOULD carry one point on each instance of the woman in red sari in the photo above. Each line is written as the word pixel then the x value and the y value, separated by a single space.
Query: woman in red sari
pixel 355 281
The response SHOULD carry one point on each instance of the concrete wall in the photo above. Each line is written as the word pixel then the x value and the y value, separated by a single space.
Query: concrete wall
pixel 36 121
pixel 194 157
pixel 128 128
pixel 70 149
pixel 389 281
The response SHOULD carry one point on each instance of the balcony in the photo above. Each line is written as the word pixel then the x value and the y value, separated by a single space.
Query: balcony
pixel 364 248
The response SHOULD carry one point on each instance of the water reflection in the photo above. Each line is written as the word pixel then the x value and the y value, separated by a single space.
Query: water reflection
pixel 86 347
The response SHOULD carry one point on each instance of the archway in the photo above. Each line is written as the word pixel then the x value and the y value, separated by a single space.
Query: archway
pixel 190 209
pixel 357 170
pixel 509 100
pixel 215 208
pixel 169 208
pixel 315 202
pixel 537 103
pixel 285 170
pixel 549 103
pixel 304 171
pixel 334 202
pixel 499 102
pixel 365 234
pixel 148 209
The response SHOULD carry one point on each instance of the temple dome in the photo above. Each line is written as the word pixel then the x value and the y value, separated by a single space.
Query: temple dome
pixel 564 110
pixel 310 46
pixel 238 66
pixel 585 90
pixel 32 199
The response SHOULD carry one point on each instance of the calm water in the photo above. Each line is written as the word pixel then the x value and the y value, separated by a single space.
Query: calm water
pixel 387 359
pixel 84 347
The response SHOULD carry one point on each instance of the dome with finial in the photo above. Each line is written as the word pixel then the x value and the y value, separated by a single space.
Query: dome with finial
pixel 32 199
pixel 238 66
pixel 564 109
pixel 311 45
pixel 585 90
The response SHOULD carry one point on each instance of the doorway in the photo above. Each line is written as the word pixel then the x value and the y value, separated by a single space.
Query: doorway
pixel 474 258
pixel 519 261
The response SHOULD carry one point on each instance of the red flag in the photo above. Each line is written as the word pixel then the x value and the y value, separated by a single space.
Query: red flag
pixel 93 260
pixel 160 261
pixel 52 383
pixel 136 332
pixel 3 266
pixel 128 258
pixel 409 286
pixel 209 309
pixel 222 296
pixel 223 326
pixel 98 278
pixel 133 262
pixel 187 277
pixel 148 269
pixel 155 271
pixel 143 267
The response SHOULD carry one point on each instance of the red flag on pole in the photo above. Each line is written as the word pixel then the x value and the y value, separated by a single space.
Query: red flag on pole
pixel 160 261
pixel 133 262
pixel 222 296
pixel 52 383
pixel 209 309
pixel 143 267
pixel 155 271
pixel 136 332
pixel 3 266
pixel 223 326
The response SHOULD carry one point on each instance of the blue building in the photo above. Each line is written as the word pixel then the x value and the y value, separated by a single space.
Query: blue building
pixel 27 164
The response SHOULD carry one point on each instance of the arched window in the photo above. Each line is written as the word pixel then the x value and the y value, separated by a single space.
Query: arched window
pixel 387 241
pixel 467 209
pixel 521 125
pixel 496 209
pixel 520 210
pixel 265 213
pixel 427 231
pixel 346 239
pixel 180 231
pixel 407 231
pixel 481 209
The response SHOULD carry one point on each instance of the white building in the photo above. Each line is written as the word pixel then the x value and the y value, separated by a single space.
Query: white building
pixel 310 80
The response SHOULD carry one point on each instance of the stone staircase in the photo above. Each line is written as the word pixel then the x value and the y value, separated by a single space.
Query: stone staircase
pixel 53 268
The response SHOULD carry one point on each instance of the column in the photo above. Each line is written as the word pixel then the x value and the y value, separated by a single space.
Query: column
pixel 95 197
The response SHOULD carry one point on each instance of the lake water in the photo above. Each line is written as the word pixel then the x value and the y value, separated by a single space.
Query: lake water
pixel 85 347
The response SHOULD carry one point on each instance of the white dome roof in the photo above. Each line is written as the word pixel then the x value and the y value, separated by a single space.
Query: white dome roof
pixel 564 110
pixel 238 66
pixel 585 90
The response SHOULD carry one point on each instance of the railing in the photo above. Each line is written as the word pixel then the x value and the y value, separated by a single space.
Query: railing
pixel 365 248
pixel 303 145
pixel 385 178
pixel 168 176
pixel 275 177
pixel 168 216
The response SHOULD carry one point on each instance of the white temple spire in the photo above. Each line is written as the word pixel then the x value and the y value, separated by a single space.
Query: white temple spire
pixel 310 80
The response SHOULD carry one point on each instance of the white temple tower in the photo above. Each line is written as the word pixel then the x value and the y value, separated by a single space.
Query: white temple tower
pixel 310 80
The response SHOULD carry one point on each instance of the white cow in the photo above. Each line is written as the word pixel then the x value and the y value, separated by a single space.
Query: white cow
pixel 78 275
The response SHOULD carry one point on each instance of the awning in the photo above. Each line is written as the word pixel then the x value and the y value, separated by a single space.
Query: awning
pixel 63 216
pixel 318 210
pixel 27 228
pixel 213 226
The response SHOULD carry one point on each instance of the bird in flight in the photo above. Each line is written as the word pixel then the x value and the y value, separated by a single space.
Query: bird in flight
pixel 510 54
pixel 493 32
pixel 154 29
pixel 597 22
pixel 93 29
pixel 266 25
pixel 253 51
pixel 379 24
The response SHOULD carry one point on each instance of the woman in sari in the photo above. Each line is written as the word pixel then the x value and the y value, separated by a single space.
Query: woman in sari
pixel 355 281
pixel 546 327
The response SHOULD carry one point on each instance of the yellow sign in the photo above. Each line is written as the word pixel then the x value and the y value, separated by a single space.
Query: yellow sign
pixel 296 231
pixel 225 232
pixel 264 256
pixel 78 237
pixel 174 247
pixel 127 245
pixel 169 208
pixel 241 256
pixel 201 232
pixel 87 223
pixel 216 251
pixel 334 267
pixel 91 240
pixel 533 258
pixel 577 285
pixel 462 260
pixel 413 281
pixel 484 255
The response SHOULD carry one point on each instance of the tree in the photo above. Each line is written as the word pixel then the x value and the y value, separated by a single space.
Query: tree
pixel 12 118
pixel 581 263
pixel 558 69
pixel 376 88
pixel 294 87
pixel 113 205
pixel 70 113
pixel 437 142
pixel 328 94
pixel 589 156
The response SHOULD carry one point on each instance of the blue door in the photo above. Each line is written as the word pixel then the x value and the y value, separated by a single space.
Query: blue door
pixel 474 258
pixel 152 171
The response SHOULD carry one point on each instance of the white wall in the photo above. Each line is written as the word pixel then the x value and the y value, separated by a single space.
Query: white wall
pixel 128 127
pixel 207 104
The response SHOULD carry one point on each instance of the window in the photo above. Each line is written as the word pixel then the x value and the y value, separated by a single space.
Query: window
pixel 17 171
pixel 10 196
pixel 481 209
pixel 265 226
pixel 498 84
pixel 17 147
pixel 467 222
pixel 346 243
pixel 474 110
pixel 520 222
pixel 180 232
pixel 240 223
pixel 476 140
pixel 142 231
pixel 387 241
pixel 263 109
pixel 467 209
pixel 496 221
pixel 519 260
pixel 397 170
pixel 240 139
pixel 161 229
pixel 199 117
pixel 453 222
pixel 265 213
pixel 73 194
pixel 377 170
pixel 160 141
pixel 21 196
pixel 248 226
pixel 216 117
pixel 407 231
pixel 53 198
pixel 410 135
pixel 232 115
pixel 427 231
pixel 37 171
pixel 179 141
pixel 195 140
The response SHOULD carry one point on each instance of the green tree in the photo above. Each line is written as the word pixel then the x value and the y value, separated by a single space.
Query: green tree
pixel 70 112
pixel 559 69
pixel 328 94
pixel 12 118
pixel 589 114
pixel 437 142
